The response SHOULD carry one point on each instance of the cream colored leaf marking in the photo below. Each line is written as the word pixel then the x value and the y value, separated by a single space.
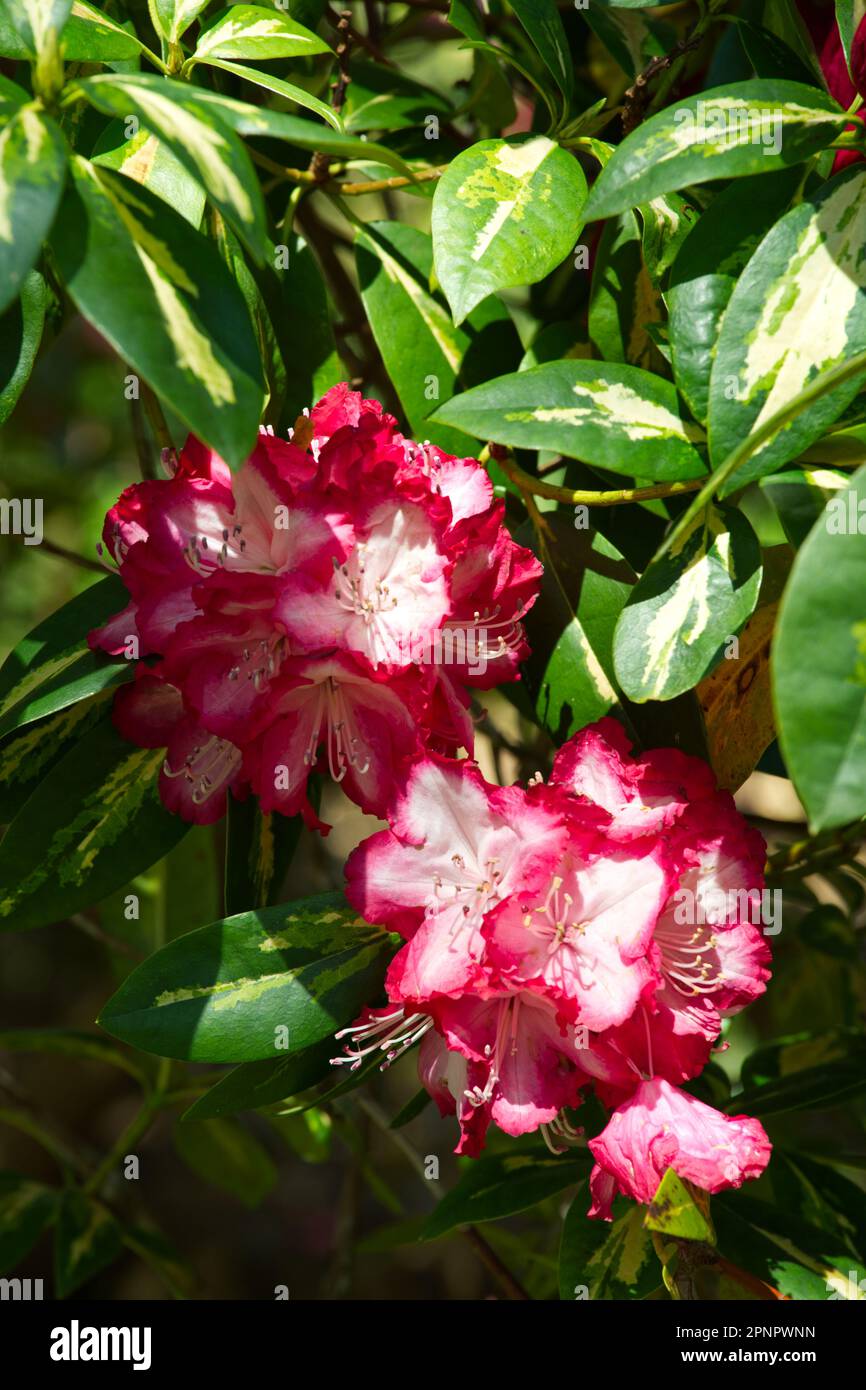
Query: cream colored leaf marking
pixel 40 675
pixel 104 815
pixel 194 350
pixel 436 321
pixel 507 176
pixel 25 755
pixel 686 614
pixel 822 477
pixel 205 143
pixel 247 990
pixel 840 1283
pixel 803 324
pixel 101 23
pixel 139 160
pixel 27 123
pixel 746 121
pixel 634 1249
pixel 594 668
pixel 666 217
pixel 260 29
pixel 612 403
pixel 140 232
pixel 641 350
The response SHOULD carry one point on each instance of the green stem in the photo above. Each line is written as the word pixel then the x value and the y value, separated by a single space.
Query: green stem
pixel 575 497
pixel 135 1130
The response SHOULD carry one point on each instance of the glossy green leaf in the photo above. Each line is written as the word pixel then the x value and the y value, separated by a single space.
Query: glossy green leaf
pixel 687 606
pixel 159 293
pixel 819 1087
pixel 20 335
pixel 621 418
pixel 29 754
pixel 257 31
pixel 92 825
pixel 422 350
pixel 667 221
pixel 500 1186
pixel 624 305
pixel 544 28
pixel 799 496
pixel 173 17
pixel 193 130
pixel 53 667
pixel 280 88
pixel 674 1213
pixel 150 161
pixel 729 132
pixel 38 23
pixel 299 309
pixel 226 992
pixel 256 1084
pixel 27 1209
pixel 505 212
pixel 380 98
pixel 93 37
pixel 32 173
pixel 86 1240
pixel 706 269
pixel 799 309
pixel 821 705
pixel 226 1155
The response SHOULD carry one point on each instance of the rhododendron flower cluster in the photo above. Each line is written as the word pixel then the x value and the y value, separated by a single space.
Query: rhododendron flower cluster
pixel 592 931
pixel 329 604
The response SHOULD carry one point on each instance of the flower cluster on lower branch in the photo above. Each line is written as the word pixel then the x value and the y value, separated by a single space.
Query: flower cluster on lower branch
pixel 588 932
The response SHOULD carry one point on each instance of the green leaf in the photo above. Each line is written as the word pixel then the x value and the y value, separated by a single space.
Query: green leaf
pixel 259 850
pixel 173 17
pixel 380 98
pixel 778 332
pixel 569 672
pixel 38 22
pixel 799 496
pixel 674 1212
pixel 160 294
pixel 297 302
pixel 280 88
pixel 793 1256
pixel 86 1240
pixel 20 335
pixel 205 144
pixel 11 95
pixel 686 606
pixel 27 1209
pixel 729 132
pixel 423 352
pixel 505 213
pixel 667 221
pixel 500 1186
pixel 819 666
pixel 624 305
pixel 92 37
pixel 543 25
pixel 226 992
pixel 808 1088
pixel 608 1261
pixel 150 161
pixel 254 31
pixel 849 16
pixel 620 418
pixel 706 270
pixel 27 755
pixel 225 1154
pixel 90 826
pixel 32 174
pixel 53 667
pixel 256 1084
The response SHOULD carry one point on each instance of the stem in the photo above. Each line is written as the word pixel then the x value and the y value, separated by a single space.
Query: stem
pixel 357 190
pixel 574 497
pixel 52 548
pixel 135 1130
pixel 156 418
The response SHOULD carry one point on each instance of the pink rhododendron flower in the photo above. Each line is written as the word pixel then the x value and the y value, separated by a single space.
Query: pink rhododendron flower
pixel 588 933
pixel 661 1127
pixel 327 606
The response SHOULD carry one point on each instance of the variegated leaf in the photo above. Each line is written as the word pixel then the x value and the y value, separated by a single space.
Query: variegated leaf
pixel 259 849
pixel 687 607
pixel 822 712
pixel 746 128
pixel 20 335
pixel 252 986
pixel 849 16
pixel 150 161
pixel 93 824
pixel 667 221
pixel 53 667
pixel 200 140
pixel 544 27
pixel 625 307
pixel 162 297
pixel 173 17
pixel 32 174
pixel 799 308
pixel 86 1239
pixel 505 212
pixel 28 754
pixel 38 23
pixel 598 1260
pixel 422 350
pixel 619 417
pixel 799 496
pixel 90 36
pixel 706 269
pixel 254 31
pixel 299 95
pixel 26 1209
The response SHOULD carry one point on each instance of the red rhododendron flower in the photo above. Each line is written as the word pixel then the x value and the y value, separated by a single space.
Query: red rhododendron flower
pixel 327 606
pixel 593 931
